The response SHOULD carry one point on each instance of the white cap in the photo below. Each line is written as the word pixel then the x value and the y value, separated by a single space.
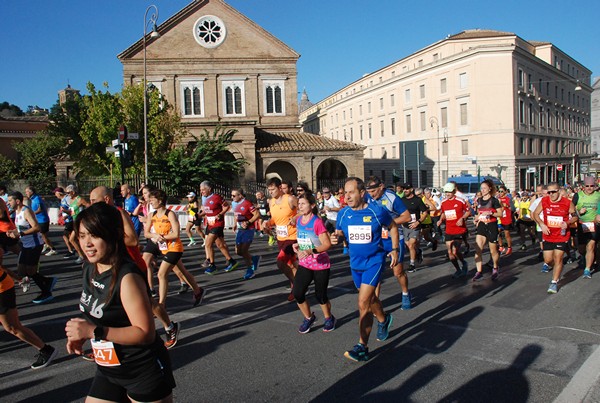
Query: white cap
pixel 449 187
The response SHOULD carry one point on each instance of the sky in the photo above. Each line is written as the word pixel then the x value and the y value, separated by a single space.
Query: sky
pixel 48 44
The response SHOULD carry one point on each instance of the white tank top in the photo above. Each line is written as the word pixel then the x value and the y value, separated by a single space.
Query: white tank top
pixel 28 241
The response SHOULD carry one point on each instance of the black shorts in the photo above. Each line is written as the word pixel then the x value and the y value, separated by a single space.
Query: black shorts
pixel 6 241
pixel 8 300
pixel 505 227
pixel 585 237
pixel 489 231
pixel 44 227
pixel 68 227
pixel 454 237
pixel 564 246
pixel 172 257
pixel 217 231
pixel 197 222
pixel 526 223
pixel 151 248
pixel 150 385
pixel 426 226
pixel 30 256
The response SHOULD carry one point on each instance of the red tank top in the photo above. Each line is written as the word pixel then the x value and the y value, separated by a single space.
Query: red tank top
pixel 555 213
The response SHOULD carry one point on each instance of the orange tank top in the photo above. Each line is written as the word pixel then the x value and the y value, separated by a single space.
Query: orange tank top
pixel 6 281
pixel 162 226
pixel 281 213
pixel 6 223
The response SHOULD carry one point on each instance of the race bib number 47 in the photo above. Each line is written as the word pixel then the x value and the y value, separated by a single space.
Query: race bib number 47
pixel 105 354
pixel 359 234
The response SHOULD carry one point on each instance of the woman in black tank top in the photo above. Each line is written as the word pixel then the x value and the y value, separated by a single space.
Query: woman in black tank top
pixel 489 210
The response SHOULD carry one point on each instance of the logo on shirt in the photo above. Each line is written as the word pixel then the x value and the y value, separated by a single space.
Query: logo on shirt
pixel 367 219
pixel 384 202
pixel 97 284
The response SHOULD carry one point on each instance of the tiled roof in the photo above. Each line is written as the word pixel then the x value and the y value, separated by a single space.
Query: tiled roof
pixel 479 33
pixel 298 141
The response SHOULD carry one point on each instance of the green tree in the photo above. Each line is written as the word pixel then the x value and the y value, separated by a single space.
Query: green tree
pixel 8 110
pixel 8 169
pixel 207 157
pixel 36 160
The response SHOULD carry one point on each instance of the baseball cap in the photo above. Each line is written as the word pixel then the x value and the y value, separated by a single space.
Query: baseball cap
pixel 449 187
pixel 59 190
pixel 407 186
pixel 191 194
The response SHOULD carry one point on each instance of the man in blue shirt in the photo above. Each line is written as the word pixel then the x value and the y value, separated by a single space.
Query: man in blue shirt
pixel 361 224
pixel 38 206
pixel 130 202
pixel 388 199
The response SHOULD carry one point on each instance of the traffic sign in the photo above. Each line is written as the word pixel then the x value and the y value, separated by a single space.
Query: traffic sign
pixel 559 167
pixel 115 142
pixel 111 149
pixel 133 136
pixel 583 169
pixel 531 170
pixel 122 133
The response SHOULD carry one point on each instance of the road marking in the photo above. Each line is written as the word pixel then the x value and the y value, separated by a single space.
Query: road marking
pixel 583 381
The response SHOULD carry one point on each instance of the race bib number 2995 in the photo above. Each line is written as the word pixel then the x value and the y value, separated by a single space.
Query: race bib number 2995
pixel 359 234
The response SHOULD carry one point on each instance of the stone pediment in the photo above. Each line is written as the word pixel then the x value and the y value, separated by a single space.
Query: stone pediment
pixel 244 39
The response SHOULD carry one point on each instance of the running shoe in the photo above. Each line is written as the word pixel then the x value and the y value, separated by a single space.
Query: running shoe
pixel 249 273
pixel 231 266
pixel 256 262
pixel 494 273
pixel 307 324
pixel 191 242
pixel 172 336
pixel 419 255
pixel 43 298
pixel 587 273
pixel 43 359
pixel 210 269
pixel 69 255
pixel 545 268
pixel 329 324
pixel 53 281
pixel 199 297
pixel 383 328
pixel 478 276
pixel 358 353
pixel 501 249
pixel 51 252
pixel 45 248
pixel 412 268
pixel 203 243
pixel 26 284
pixel 434 246
pixel 272 240
pixel 508 251
pixel 153 293
pixel 183 288
pixel 406 303
pixel 88 357
pixel 205 264
pixel 523 247
pixel 79 260
pixel 553 288
pixel 457 274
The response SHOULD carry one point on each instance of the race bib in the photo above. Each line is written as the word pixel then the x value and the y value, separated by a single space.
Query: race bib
pixel 359 234
pixel 305 244
pixel 413 217
pixel 484 218
pixel 162 245
pixel 451 215
pixel 588 227
pixel 211 220
pixel 262 211
pixel 554 221
pixel 385 233
pixel 105 354
pixel 282 231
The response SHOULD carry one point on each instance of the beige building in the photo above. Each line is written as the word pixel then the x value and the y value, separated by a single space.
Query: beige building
pixel 219 68
pixel 478 100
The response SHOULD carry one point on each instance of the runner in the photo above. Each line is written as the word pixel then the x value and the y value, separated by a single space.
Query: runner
pixel 454 213
pixel 28 231
pixel 586 203
pixel 132 362
pixel 194 221
pixel 559 212
pixel 505 224
pixel 76 205
pixel 435 211
pixel 362 225
pixel 245 217
pixel 38 206
pixel 262 205
pixel 524 222
pixel 65 212
pixel 283 217
pixel 412 230
pixel 9 317
pixel 389 200
pixel 331 207
pixel 314 265
pixel 130 202
pixel 214 209
pixel 427 230
pixel 488 210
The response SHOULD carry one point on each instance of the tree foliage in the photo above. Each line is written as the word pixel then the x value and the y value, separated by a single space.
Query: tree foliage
pixel 36 160
pixel 7 110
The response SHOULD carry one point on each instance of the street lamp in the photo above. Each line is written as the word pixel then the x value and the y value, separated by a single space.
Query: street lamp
pixel 433 120
pixel 154 34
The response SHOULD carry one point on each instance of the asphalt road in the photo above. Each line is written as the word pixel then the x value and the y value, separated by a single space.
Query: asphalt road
pixel 462 342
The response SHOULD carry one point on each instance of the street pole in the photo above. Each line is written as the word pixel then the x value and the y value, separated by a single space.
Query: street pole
pixel 433 120
pixel 154 34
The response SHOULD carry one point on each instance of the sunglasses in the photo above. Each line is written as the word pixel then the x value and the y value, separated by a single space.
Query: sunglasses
pixel 300 190
pixel 552 191
pixel 590 186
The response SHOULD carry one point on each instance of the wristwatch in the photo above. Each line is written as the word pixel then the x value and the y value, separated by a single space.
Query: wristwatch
pixel 315 251
pixel 396 249
pixel 98 333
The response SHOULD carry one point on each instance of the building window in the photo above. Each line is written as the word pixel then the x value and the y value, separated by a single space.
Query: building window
pixel 360 132
pixel 392 101
pixel 422 91
pixel 529 83
pixel 531 121
pixel 383 153
pixel 443 88
pixel 521 145
pixel 359 110
pixel 394 152
pixel 351 135
pixel 274 97
pixel 436 56
pixel 463 115
pixel 350 113
pixel 423 121
pixel 520 78
pixel 393 125
pixel 521 112
pixel 370 131
pixel 530 146
pixel 444 116
pixel 192 96
pixel 463 81
pixel 380 104
pixel 408 124
pixel 407 96
pixel 381 128
pixel 420 62
pixel 233 92
pixel 464 147
pixel 371 153
pixel 368 107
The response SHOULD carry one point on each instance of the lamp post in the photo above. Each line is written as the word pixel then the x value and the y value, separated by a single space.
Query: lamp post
pixel 154 34
pixel 434 121
pixel 445 141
